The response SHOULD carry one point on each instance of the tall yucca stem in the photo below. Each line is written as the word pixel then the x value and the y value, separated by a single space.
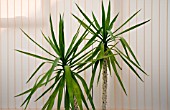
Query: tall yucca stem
pixel 75 104
pixel 104 86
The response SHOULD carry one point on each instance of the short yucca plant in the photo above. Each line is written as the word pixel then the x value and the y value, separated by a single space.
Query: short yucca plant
pixel 64 73
pixel 107 45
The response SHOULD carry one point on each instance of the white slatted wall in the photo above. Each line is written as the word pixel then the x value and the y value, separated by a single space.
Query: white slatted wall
pixel 151 44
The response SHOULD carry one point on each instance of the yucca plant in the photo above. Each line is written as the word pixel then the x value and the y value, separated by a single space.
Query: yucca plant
pixel 64 73
pixel 107 45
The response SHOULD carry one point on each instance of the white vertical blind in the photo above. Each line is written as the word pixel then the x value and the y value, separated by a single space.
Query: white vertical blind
pixel 151 44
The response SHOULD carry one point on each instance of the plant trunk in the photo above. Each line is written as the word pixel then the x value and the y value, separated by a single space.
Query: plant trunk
pixel 104 85
pixel 75 104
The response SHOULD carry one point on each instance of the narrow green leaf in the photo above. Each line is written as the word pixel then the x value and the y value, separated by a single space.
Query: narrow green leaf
pixel 67 100
pixel 52 33
pixel 53 96
pixel 69 84
pixel 91 41
pixel 93 74
pixel 60 93
pixel 86 90
pixel 51 104
pixel 112 22
pixel 61 36
pixel 36 86
pixel 47 90
pixel 77 93
pixel 88 44
pixel 131 28
pixel 74 49
pixel 34 55
pixel 108 16
pixel 95 21
pixel 131 68
pixel 89 59
pixel 36 71
pixel 120 53
pixel 51 70
pixel 101 66
pixel 82 58
pixel 117 75
pixel 124 47
pixel 37 43
pixel 113 57
pixel 29 90
pixel 110 33
pixel 73 41
pixel 126 21
pixel 130 50
pixel 86 17
pixel 49 41
pixel 103 21
pixel 84 100
pixel 23 93
pixel 45 105
pixel 84 25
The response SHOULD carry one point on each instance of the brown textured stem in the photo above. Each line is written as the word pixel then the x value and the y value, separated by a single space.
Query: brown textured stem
pixel 75 104
pixel 104 86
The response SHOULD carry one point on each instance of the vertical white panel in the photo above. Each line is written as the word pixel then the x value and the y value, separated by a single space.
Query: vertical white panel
pixel 133 46
pixel 168 54
pixel 155 55
pixel 148 94
pixel 140 55
pixel 163 55
pixel 150 46
pixel 0 61
pixel 11 57
pixel 4 60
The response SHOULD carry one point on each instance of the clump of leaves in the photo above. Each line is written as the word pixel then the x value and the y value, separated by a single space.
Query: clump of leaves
pixel 107 45
pixel 64 73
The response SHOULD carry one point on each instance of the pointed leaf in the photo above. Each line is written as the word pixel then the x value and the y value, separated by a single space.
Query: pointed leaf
pixel 36 71
pixel 126 21
pixel 103 21
pixel 108 16
pixel 34 55
pixel 86 17
pixel 51 70
pixel 61 36
pixel 130 50
pixel 49 41
pixel 131 28
pixel 52 33
pixel 60 93
pixel 112 22
pixel 86 90
pixel 95 20
pixel 93 75
pixel 117 75
pixel 37 44
pixel 69 84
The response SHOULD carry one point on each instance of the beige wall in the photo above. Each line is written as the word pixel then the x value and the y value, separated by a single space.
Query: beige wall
pixel 151 44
